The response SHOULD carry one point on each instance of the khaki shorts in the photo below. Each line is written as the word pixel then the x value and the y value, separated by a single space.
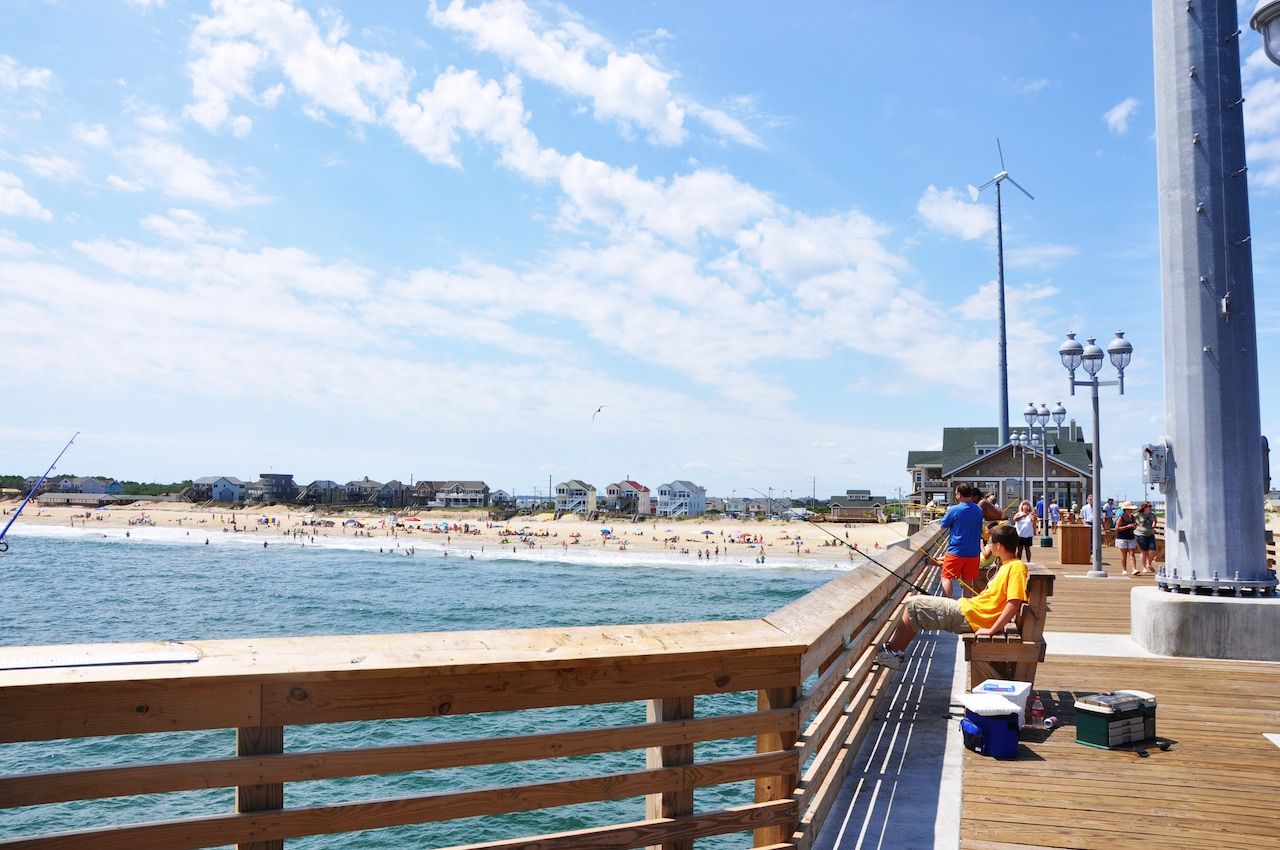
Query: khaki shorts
pixel 927 613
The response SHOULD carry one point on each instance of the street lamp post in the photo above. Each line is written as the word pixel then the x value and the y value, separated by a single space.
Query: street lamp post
pixel 1019 441
pixel 1039 416
pixel 1074 355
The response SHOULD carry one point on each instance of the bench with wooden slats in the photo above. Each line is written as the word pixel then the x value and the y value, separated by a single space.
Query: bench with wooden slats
pixel 1014 654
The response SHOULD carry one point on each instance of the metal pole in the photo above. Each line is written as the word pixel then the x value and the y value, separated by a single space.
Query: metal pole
pixel 1024 473
pixel 1214 529
pixel 1045 540
pixel 1004 354
pixel 1096 535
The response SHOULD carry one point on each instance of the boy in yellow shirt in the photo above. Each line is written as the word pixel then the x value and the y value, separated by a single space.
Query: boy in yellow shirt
pixel 985 614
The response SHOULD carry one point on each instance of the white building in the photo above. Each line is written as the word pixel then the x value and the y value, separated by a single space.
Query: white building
pixel 218 488
pixel 576 497
pixel 682 498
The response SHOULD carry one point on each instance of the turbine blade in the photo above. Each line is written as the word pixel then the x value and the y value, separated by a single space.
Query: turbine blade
pixel 1024 191
pixel 1000 150
pixel 973 192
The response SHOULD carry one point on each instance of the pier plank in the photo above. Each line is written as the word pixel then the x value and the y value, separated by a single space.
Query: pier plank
pixel 1217 787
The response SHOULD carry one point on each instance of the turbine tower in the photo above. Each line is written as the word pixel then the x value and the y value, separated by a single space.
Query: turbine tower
pixel 1004 344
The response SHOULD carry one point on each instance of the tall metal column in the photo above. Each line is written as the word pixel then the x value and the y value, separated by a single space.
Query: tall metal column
pixel 1214 527
pixel 1003 425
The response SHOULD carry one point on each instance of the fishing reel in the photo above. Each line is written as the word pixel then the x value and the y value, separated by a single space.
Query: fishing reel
pixel 4 546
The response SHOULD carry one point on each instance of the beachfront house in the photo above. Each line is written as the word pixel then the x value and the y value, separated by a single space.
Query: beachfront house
pixel 452 494
pixel 715 505
pixel 629 497
pixel 393 494
pixel 85 484
pixel 760 507
pixel 322 492
pixel 735 506
pixel 276 487
pixel 682 498
pixel 362 492
pixel 501 498
pixel 857 506
pixel 973 456
pixel 218 488
pixel 575 496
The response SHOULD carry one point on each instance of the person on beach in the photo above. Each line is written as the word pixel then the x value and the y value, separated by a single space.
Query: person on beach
pixel 1126 539
pixel 1145 534
pixel 964 547
pixel 1025 522
pixel 985 614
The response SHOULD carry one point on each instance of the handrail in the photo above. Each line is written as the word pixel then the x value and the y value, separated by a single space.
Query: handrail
pixel 809 664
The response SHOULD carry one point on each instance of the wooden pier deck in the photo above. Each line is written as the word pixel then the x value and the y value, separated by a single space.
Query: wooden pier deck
pixel 1218 786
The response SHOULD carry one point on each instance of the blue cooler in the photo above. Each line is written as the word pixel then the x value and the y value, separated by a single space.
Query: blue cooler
pixel 990 725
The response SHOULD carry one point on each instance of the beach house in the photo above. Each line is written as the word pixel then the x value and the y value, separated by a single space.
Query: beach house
pixel 682 498
pixel 629 497
pixel 452 494
pixel 277 487
pixel 857 506
pixel 393 494
pixel 322 492
pixel 575 496
pixel 363 491
pixel 218 488
pixel 501 498
pixel 973 456
pixel 86 484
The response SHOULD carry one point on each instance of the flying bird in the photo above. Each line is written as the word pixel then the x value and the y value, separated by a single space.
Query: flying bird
pixel 597 413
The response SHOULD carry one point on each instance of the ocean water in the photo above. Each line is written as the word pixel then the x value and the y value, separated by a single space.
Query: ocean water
pixel 64 585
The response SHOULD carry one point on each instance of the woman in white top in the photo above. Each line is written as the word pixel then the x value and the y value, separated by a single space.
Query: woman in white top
pixel 1025 522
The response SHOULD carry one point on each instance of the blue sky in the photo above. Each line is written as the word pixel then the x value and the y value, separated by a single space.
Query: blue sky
pixel 430 240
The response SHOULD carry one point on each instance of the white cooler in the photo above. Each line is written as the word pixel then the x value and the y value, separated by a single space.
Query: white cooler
pixel 1015 692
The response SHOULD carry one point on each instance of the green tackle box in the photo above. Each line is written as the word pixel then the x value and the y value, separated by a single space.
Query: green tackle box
pixel 1115 719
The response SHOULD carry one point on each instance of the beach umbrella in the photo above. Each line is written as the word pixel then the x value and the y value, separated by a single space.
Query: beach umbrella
pixel 705 531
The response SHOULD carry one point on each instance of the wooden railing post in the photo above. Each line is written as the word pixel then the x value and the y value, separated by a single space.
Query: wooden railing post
pixel 780 787
pixel 672 804
pixel 256 741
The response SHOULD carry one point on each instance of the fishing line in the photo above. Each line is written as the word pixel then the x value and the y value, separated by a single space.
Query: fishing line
pixel 4 546
pixel 852 546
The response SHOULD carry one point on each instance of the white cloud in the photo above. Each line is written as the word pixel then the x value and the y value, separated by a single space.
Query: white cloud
pixel 1262 121
pixel 91 134
pixel 146 4
pixel 12 246
pixel 15 201
pixel 181 174
pixel 242 37
pixel 115 181
pixel 13 76
pixel 1033 86
pixel 1117 117
pixel 622 86
pixel 53 167
pixel 1038 255
pixel 189 226
pixel 944 210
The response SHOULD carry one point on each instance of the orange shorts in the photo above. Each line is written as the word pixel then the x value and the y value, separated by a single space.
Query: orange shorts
pixel 956 566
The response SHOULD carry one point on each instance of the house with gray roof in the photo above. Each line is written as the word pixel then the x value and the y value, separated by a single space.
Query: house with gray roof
pixel 682 498
pixel 973 456
pixel 857 506
pixel 218 488
pixel 322 491
pixel 576 497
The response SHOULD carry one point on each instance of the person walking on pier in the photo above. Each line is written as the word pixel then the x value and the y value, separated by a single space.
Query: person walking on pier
pixel 985 614
pixel 1145 534
pixel 964 548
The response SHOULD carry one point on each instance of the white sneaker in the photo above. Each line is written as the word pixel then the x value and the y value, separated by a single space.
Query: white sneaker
pixel 889 658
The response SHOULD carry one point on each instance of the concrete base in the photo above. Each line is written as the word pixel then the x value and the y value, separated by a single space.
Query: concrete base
pixel 1205 626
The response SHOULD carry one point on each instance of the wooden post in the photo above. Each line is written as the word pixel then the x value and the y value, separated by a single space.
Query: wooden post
pixel 255 741
pixel 672 804
pixel 769 788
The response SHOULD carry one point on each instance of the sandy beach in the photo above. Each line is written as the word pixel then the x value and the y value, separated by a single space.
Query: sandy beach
pixel 697 538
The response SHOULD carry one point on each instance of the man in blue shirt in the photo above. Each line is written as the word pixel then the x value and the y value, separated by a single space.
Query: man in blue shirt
pixel 964 548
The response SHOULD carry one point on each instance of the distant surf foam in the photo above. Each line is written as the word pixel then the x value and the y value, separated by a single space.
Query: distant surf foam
pixel 425 546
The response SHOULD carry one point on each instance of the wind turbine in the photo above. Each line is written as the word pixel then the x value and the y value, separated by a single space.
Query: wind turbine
pixel 1004 345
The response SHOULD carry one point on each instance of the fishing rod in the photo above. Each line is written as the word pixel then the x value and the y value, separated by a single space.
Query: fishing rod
pixel 4 545
pixel 854 547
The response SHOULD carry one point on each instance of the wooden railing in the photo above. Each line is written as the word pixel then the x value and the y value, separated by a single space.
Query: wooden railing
pixel 808 666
